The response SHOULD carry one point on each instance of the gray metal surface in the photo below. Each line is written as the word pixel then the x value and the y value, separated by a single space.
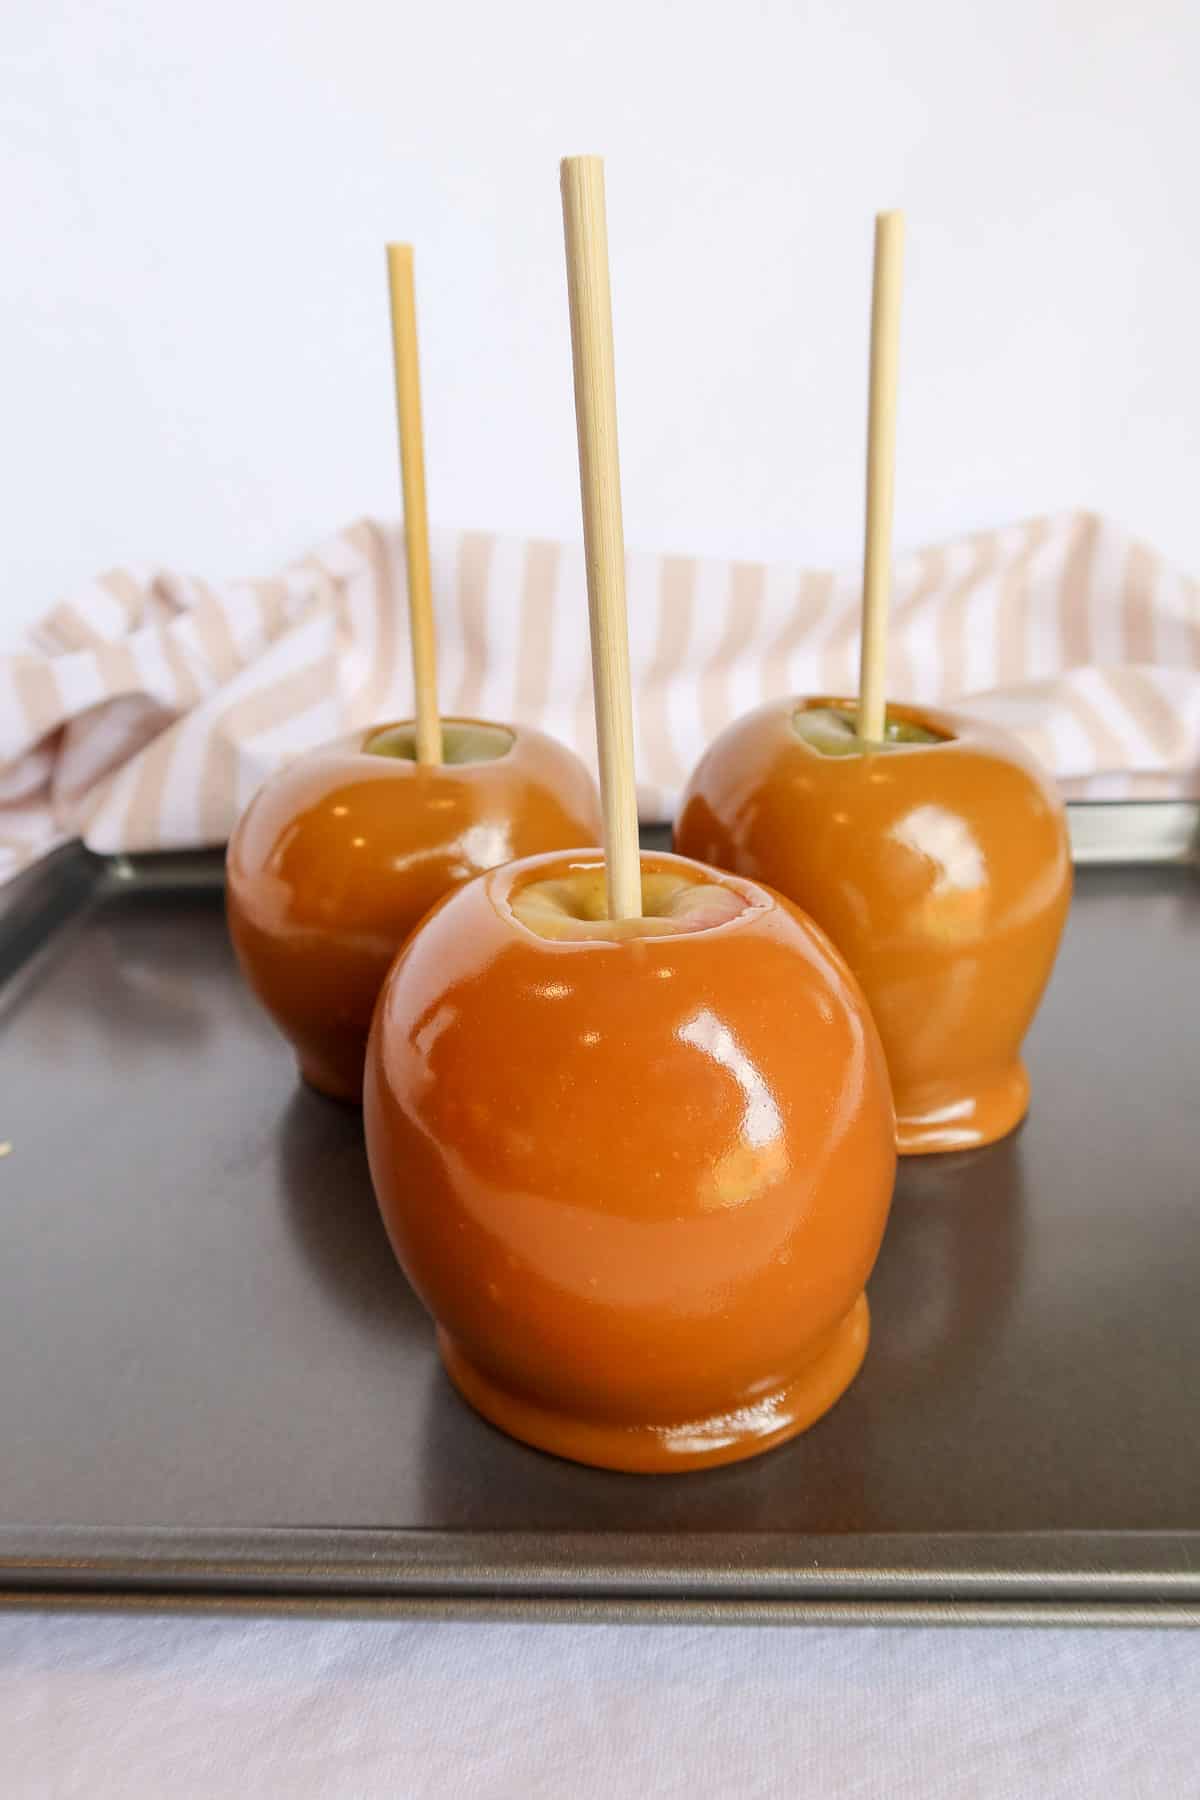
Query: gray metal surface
pixel 1134 831
pixel 216 1389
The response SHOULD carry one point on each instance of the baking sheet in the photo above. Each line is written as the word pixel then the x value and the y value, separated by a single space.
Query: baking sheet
pixel 216 1389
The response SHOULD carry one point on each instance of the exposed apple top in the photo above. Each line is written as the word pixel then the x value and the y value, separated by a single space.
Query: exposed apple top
pixel 833 731
pixel 678 900
pixel 463 741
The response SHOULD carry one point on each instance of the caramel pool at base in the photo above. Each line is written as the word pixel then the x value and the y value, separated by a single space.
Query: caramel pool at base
pixel 639 1171
pixel 340 854
pixel 941 870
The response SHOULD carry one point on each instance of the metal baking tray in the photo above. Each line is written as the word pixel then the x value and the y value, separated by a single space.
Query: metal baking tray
pixel 217 1391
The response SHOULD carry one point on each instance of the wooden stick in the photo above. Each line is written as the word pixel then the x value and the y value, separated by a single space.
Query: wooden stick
pixel 416 518
pixel 881 474
pixel 586 230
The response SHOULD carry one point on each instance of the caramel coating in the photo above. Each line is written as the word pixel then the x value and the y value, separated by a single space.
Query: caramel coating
pixel 640 1182
pixel 341 853
pixel 942 871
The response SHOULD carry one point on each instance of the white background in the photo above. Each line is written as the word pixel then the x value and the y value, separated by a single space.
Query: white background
pixel 110 1709
pixel 193 339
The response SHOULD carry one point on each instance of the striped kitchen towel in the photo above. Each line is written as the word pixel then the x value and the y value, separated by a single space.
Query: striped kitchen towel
pixel 144 712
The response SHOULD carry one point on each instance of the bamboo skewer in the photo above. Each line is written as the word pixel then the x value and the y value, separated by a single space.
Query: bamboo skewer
pixel 416 518
pixel 586 232
pixel 881 473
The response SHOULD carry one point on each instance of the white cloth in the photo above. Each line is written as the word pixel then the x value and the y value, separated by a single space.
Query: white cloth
pixel 147 709
pixel 128 1706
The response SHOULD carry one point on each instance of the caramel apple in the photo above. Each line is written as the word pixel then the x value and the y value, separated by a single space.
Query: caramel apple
pixel 637 1169
pixel 937 860
pixel 628 1119
pixel 342 852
